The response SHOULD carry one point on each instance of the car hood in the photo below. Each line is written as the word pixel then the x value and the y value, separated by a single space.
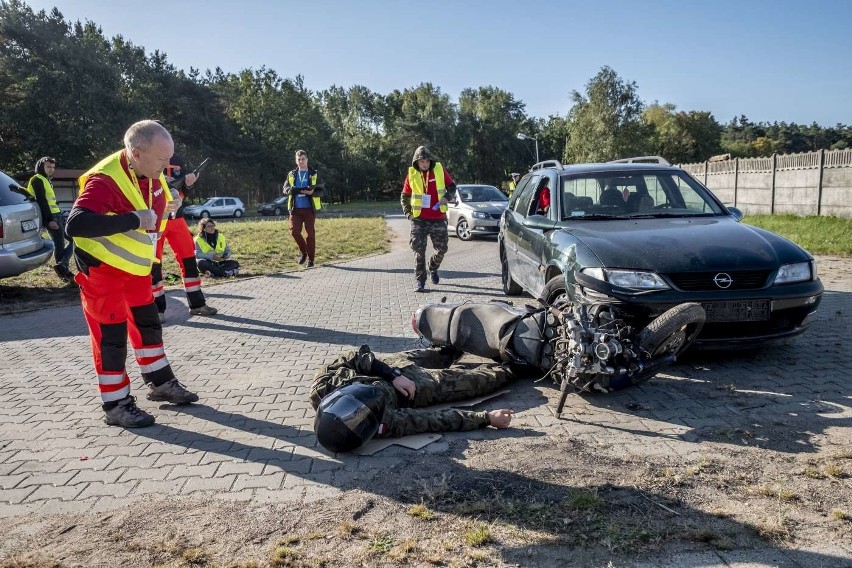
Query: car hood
pixel 685 245
pixel 487 206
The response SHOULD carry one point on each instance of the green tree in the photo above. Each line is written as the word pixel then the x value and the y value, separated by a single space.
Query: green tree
pixel 682 137
pixel 606 123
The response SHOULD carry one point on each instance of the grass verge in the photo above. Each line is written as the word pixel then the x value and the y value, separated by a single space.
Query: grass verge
pixel 817 235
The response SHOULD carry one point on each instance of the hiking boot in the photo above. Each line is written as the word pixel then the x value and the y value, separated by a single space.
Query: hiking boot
pixel 420 286
pixel 303 258
pixel 310 264
pixel 173 392
pixel 364 360
pixel 434 276
pixel 204 310
pixel 64 273
pixel 127 415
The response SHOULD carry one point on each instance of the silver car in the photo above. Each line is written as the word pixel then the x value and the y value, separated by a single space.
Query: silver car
pixel 476 210
pixel 21 245
pixel 217 207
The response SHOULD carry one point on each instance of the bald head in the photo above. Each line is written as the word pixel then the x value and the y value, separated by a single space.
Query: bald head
pixel 149 147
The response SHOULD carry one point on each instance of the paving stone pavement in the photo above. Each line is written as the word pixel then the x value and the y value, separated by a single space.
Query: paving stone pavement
pixel 250 437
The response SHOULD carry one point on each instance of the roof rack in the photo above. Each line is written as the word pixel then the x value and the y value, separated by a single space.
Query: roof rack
pixel 546 164
pixel 642 159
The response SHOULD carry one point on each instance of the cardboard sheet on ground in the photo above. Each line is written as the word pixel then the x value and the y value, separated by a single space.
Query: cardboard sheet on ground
pixel 420 441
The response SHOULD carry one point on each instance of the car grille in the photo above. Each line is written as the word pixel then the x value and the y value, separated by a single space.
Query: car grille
pixel 496 215
pixel 704 281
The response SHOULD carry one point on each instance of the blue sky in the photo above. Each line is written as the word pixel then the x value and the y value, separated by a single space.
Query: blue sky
pixel 775 60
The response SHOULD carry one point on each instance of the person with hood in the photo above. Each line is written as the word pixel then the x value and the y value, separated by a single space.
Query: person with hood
pixel 358 397
pixel 116 221
pixel 425 194
pixel 213 252
pixel 304 188
pixel 41 189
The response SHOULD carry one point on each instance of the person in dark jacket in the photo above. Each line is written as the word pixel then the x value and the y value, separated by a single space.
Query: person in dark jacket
pixel 304 187
pixel 41 188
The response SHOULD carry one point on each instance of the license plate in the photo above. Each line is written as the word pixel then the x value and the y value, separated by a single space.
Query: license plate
pixel 743 310
pixel 29 225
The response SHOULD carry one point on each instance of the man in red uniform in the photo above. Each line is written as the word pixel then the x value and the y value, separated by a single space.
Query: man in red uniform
pixel 181 242
pixel 115 222
pixel 424 201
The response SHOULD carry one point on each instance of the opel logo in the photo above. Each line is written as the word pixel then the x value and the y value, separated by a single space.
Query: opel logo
pixel 723 280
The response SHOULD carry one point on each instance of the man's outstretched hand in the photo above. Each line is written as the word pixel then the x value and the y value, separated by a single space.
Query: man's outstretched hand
pixel 405 386
pixel 500 418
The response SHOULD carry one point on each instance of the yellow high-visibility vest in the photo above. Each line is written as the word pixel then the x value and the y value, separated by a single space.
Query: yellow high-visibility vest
pixel 415 181
pixel 207 249
pixel 49 194
pixel 131 251
pixel 315 200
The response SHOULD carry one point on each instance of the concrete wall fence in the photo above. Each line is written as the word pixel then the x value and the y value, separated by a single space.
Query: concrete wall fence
pixel 810 183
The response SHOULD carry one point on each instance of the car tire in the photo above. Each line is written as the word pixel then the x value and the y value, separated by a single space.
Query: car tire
pixel 554 292
pixel 673 331
pixel 238 213
pixel 510 287
pixel 205 214
pixel 463 231
pixel 277 212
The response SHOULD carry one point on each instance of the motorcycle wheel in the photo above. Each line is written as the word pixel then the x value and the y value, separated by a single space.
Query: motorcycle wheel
pixel 673 331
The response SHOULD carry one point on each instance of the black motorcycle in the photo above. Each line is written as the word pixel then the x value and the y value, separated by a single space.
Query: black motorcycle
pixel 583 346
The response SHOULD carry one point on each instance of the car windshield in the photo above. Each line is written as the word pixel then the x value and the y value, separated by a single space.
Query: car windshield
pixel 10 194
pixel 210 201
pixel 481 193
pixel 635 195
pixel 281 200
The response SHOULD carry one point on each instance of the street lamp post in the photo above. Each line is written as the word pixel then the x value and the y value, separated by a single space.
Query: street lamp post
pixel 522 136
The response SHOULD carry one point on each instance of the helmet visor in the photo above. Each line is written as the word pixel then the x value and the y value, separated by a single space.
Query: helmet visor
pixel 354 414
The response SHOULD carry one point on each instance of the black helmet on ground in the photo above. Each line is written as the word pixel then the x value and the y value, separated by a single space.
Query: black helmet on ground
pixel 349 417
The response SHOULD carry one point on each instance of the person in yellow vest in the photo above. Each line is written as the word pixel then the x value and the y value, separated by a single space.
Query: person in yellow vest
pixel 41 189
pixel 304 188
pixel 424 200
pixel 516 177
pixel 213 251
pixel 116 221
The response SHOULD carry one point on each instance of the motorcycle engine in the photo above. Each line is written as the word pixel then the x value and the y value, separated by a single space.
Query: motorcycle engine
pixel 593 348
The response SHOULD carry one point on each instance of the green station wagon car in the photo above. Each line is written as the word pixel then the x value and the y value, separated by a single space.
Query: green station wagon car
pixel 650 236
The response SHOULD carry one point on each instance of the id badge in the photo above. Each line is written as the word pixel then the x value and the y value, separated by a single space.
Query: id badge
pixel 426 201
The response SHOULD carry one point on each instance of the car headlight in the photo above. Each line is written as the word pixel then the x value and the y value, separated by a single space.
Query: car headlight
pixel 480 215
pixel 798 272
pixel 636 279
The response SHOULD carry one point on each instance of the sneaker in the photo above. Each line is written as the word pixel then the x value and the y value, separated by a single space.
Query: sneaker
pixel 434 276
pixel 173 392
pixel 420 286
pixel 204 310
pixel 303 258
pixel 162 317
pixel 127 415
pixel 310 264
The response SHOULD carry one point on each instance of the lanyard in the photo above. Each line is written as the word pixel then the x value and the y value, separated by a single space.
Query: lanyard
pixel 303 177
pixel 139 187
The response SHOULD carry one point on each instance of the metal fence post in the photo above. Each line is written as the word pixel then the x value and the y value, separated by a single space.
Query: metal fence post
pixel 819 185
pixel 772 203
pixel 705 173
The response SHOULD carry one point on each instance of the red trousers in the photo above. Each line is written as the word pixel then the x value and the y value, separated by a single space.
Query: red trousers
pixel 116 305
pixel 304 217
pixel 183 246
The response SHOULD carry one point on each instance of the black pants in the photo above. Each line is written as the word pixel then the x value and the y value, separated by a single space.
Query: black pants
pixel 61 251
pixel 218 269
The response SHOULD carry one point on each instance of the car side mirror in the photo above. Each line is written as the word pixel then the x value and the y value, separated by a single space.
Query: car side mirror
pixel 539 222
pixel 736 213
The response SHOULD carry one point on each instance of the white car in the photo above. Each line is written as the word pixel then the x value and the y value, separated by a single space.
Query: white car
pixel 476 210
pixel 21 246
pixel 217 207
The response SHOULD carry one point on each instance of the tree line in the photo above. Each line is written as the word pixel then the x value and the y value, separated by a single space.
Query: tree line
pixel 68 91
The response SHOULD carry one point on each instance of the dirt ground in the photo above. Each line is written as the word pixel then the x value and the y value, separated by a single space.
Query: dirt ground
pixel 519 500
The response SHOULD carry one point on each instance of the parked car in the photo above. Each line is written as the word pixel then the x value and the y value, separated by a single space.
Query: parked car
pixel 217 207
pixel 476 210
pixel 652 236
pixel 21 246
pixel 277 207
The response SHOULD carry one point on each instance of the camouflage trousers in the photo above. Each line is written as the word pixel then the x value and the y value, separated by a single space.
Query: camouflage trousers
pixel 421 231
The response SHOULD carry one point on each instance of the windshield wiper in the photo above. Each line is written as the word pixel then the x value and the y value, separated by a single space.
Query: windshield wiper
pixel 594 216
pixel 664 215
